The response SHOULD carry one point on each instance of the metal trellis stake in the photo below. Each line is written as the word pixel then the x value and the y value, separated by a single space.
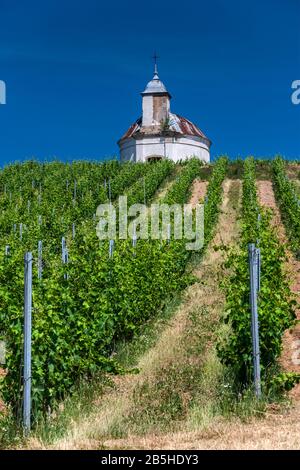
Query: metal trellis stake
pixel 168 233
pixel 258 267
pixel 64 254
pixel 75 190
pixel 254 268
pixel 27 341
pixel 134 238
pixel 66 260
pixel 40 260
pixel 111 248
pixel 109 190
pixel 63 247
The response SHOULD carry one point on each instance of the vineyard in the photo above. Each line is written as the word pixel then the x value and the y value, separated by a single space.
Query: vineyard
pixel 88 295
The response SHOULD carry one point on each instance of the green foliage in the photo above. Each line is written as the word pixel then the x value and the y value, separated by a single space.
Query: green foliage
pixel 165 125
pixel 57 193
pixel 144 189
pixel 285 381
pixel 213 197
pixel 76 321
pixel 286 195
pixel 276 310
pixel 180 190
pixel 130 173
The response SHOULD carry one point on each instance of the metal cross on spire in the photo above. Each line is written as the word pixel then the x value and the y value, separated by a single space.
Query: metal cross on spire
pixel 155 57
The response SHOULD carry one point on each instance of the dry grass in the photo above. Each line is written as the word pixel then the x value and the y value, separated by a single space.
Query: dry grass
pixel 276 431
pixel 292 170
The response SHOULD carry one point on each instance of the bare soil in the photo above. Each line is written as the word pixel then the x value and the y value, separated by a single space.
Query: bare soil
pixel 198 192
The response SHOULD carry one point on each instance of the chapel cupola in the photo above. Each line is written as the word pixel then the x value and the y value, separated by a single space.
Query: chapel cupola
pixel 156 102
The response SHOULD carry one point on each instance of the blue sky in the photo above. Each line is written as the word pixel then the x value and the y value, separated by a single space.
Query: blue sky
pixel 74 71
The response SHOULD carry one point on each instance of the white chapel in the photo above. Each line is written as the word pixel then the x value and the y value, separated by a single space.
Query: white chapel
pixel 159 133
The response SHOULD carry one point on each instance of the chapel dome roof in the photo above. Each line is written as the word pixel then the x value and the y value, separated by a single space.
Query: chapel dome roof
pixel 177 124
